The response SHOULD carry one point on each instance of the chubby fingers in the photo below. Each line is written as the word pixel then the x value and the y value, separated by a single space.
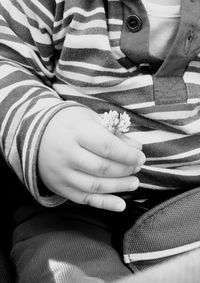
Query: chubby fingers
pixel 95 165
pixel 103 143
pixel 94 191
pixel 101 201
pixel 99 185
pixel 132 142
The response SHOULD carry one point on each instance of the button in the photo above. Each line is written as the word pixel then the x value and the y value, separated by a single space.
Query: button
pixel 134 23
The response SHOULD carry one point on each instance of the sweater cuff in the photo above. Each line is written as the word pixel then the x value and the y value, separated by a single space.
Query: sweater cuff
pixel 31 177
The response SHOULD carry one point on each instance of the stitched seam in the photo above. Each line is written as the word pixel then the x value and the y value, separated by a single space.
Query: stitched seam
pixel 162 210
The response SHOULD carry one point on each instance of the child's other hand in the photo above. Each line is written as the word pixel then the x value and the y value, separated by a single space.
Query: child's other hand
pixel 82 161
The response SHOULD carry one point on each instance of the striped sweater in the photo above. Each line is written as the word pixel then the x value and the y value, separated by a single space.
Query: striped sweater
pixel 57 53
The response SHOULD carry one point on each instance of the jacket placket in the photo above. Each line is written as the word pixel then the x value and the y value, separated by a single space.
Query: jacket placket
pixel 168 76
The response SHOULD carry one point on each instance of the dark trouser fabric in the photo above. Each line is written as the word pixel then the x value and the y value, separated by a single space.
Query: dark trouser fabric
pixel 6 269
pixel 66 246
pixel 77 246
pixel 74 245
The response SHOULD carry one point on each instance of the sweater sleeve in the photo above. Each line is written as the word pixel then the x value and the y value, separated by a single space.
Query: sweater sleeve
pixel 27 100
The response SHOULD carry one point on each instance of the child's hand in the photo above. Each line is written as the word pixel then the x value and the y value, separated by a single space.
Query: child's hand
pixel 82 161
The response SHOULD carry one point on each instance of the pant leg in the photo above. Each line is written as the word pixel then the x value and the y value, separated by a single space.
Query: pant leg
pixel 58 247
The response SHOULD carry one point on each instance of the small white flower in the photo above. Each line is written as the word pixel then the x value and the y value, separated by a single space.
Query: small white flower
pixel 124 122
pixel 116 122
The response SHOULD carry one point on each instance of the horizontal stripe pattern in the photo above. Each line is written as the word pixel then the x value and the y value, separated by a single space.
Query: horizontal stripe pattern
pixel 55 52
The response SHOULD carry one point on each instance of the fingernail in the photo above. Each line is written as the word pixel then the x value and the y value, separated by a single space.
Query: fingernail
pixel 134 183
pixel 141 160
pixel 137 169
pixel 120 206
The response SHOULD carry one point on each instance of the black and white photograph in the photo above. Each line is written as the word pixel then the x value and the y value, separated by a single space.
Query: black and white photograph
pixel 100 141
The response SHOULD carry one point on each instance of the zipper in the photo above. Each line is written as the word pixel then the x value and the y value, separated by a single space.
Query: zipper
pixel 134 257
